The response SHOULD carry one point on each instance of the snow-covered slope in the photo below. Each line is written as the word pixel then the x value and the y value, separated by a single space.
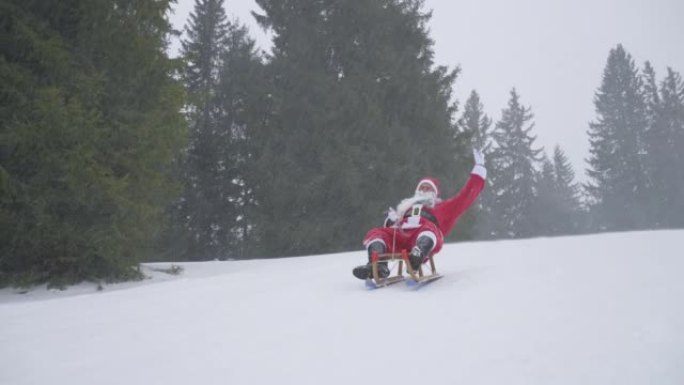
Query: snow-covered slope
pixel 600 309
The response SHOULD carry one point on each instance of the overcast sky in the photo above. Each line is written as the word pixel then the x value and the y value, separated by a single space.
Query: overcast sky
pixel 552 52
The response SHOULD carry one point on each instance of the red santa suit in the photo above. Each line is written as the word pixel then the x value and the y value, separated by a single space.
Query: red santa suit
pixel 433 219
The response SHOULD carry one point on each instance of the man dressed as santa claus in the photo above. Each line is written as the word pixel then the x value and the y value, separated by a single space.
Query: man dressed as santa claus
pixel 421 222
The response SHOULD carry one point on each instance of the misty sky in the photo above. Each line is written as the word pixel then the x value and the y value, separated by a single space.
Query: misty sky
pixel 552 52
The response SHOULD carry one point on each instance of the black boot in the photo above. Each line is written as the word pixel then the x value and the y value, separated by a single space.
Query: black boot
pixel 420 251
pixel 366 271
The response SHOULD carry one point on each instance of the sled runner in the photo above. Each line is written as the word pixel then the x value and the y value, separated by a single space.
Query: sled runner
pixel 416 278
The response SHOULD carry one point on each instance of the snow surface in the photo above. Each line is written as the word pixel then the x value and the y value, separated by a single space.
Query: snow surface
pixel 598 309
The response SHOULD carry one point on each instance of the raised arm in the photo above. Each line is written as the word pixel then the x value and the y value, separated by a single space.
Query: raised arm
pixel 454 207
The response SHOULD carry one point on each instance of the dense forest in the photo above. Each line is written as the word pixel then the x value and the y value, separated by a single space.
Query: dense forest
pixel 112 153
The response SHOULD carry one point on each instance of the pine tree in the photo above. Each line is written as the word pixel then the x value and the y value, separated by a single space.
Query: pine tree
pixel 618 184
pixel 664 141
pixel 651 95
pixel 244 109
pixel 474 131
pixel 90 129
pixel 515 158
pixel 654 139
pixel 222 66
pixel 201 50
pixel 203 205
pixel 475 123
pixel 547 211
pixel 557 208
pixel 360 114
pixel 140 103
pixel 568 192
pixel 672 91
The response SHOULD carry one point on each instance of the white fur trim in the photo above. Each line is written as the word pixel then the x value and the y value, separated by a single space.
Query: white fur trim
pixel 411 223
pixel 480 170
pixel 406 204
pixel 430 235
pixel 368 243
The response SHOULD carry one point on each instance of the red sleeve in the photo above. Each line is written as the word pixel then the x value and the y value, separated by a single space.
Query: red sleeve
pixel 450 210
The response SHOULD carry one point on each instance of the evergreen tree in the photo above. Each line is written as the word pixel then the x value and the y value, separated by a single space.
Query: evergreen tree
pixel 557 208
pixel 651 95
pixel 547 212
pixel 653 143
pixel 476 123
pixel 565 179
pixel 664 143
pixel 90 126
pixel 514 183
pixel 203 204
pixel 474 130
pixel 618 184
pixel 672 91
pixel 360 114
pixel 567 191
pixel 206 31
pixel 221 71
pixel 245 107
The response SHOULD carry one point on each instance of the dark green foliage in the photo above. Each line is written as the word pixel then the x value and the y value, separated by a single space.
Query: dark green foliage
pixel 473 131
pixel 90 125
pixel 618 186
pixel 546 207
pixel 475 123
pixel 359 115
pixel 203 202
pixel 298 155
pixel 664 141
pixel 245 106
pixel 636 164
pixel 557 207
pixel 513 182
pixel 565 186
pixel 224 79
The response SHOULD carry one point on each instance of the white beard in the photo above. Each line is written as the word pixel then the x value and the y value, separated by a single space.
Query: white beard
pixel 429 196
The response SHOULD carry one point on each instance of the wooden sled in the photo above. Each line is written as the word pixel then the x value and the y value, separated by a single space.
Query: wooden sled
pixel 403 258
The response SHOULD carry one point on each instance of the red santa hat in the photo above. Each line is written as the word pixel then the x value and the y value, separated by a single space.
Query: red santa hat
pixel 429 181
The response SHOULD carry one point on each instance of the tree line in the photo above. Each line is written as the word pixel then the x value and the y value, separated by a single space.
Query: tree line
pixel 635 169
pixel 112 153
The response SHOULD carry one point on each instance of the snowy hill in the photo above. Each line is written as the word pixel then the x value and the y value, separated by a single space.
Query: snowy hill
pixel 600 309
